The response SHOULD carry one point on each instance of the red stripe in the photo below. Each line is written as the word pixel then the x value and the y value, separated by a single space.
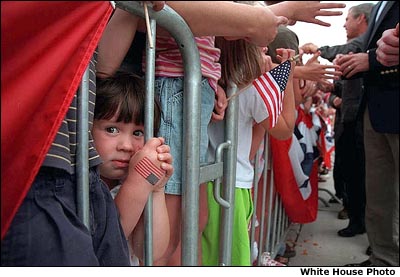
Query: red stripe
pixel 157 170
pixel 272 93
pixel 141 171
pixel 145 167
pixel 299 210
pixel 270 112
pixel 276 93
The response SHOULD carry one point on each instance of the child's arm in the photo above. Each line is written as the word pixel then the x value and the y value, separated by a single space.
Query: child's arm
pixel 257 138
pixel 148 171
pixel 161 228
pixel 259 130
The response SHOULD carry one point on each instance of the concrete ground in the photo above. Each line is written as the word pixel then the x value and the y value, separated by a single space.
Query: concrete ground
pixel 318 243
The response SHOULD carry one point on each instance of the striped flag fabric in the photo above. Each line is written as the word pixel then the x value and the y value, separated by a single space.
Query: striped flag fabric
pixel 271 87
pixel 298 189
pixel 149 171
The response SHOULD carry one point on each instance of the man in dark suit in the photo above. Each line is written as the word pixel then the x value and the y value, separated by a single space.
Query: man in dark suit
pixel 349 168
pixel 381 137
pixel 380 108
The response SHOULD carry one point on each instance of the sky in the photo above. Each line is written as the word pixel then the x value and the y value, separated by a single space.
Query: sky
pixel 320 35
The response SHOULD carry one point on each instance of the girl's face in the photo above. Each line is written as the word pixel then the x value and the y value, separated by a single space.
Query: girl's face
pixel 116 143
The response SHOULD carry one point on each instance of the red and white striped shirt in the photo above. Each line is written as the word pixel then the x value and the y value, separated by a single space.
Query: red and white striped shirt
pixel 169 60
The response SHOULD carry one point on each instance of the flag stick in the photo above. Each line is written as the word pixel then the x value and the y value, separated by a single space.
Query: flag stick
pixel 146 15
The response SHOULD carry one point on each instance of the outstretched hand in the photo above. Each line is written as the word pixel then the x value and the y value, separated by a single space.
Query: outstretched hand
pixel 309 48
pixel 307 11
pixel 321 73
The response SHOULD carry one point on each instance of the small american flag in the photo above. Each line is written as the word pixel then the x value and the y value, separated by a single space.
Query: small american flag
pixel 149 171
pixel 271 87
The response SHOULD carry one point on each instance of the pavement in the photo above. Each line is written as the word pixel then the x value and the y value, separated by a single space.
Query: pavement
pixel 318 244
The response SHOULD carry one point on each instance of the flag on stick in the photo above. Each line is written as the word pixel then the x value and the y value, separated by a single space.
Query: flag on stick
pixel 271 87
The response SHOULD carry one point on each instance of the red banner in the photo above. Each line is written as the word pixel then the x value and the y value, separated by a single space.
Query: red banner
pixel 298 190
pixel 45 49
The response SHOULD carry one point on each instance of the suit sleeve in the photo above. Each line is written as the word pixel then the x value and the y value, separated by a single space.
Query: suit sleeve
pixel 330 52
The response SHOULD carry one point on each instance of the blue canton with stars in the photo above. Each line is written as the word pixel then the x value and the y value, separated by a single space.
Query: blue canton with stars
pixel 281 74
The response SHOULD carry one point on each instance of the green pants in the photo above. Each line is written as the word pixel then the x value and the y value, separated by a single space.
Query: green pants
pixel 243 210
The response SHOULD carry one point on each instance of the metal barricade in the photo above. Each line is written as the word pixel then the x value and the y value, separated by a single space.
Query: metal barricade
pixel 274 223
pixel 193 174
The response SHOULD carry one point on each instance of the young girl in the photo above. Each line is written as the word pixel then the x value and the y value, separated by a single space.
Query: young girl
pixel 242 63
pixel 132 169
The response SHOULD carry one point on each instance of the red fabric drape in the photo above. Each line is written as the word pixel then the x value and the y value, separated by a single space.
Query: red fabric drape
pixel 45 48
pixel 299 210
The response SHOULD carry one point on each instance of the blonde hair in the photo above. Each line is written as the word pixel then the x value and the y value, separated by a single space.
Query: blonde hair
pixel 240 62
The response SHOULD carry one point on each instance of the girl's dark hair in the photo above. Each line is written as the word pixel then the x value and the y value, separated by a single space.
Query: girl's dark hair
pixel 123 93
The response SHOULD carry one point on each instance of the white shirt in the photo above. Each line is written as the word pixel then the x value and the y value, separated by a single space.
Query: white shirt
pixel 378 14
pixel 251 108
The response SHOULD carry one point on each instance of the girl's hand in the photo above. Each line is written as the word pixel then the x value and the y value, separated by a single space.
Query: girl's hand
pixel 220 104
pixel 165 158
pixel 157 5
pixel 267 63
pixel 146 163
pixel 284 54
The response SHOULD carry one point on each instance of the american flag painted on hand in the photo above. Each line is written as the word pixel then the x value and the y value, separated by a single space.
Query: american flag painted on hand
pixel 149 171
pixel 271 87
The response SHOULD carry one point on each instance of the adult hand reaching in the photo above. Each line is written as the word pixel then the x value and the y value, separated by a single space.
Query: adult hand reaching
pixel 387 52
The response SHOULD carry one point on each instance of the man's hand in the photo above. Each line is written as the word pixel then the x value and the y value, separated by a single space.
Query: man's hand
pixel 352 64
pixel 309 48
pixel 387 52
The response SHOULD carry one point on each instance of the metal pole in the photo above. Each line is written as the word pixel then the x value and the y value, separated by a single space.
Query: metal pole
pixel 227 215
pixel 179 30
pixel 149 130
pixel 82 164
